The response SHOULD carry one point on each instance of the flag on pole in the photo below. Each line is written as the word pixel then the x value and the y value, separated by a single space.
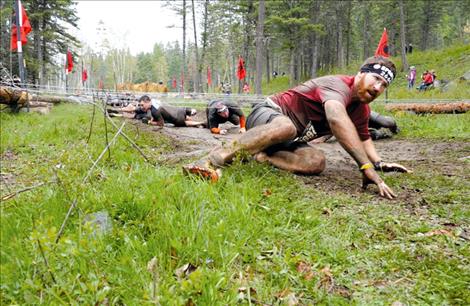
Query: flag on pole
pixel 25 29
pixel 84 75
pixel 209 76
pixel 382 48
pixel 241 72
pixel 69 62
pixel 174 83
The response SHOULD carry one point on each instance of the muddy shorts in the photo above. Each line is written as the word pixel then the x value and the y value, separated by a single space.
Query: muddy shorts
pixel 264 113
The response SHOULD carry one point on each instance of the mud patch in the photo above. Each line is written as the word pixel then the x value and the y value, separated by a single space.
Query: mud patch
pixel 341 174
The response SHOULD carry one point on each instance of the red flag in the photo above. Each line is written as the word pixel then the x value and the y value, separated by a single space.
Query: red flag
pixel 25 29
pixel 174 83
pixel 382 48
pixel 69 62
pixel 241 72
pixel 100 84
pixel 209 76
pixel 84 75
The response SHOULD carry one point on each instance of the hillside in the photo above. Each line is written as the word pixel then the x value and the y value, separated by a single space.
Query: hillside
pixel 450 64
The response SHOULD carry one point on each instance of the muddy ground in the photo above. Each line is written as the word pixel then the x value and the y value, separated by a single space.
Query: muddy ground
pixel 341 174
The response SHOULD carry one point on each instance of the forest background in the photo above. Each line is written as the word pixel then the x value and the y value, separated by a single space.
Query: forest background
pixel 302 39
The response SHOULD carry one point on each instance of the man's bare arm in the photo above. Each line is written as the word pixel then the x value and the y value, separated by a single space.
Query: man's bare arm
pixel 370 150
pixel 345 132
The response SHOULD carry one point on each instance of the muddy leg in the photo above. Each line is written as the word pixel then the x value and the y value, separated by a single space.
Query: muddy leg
pixel 190 123
pixel 305 160
pixel 255 140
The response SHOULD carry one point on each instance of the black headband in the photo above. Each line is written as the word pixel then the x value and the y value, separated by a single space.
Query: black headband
pixel 381 70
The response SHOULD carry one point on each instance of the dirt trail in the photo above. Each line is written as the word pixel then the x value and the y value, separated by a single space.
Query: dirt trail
pixel 341 171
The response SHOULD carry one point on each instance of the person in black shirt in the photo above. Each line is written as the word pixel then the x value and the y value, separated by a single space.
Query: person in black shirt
pixel 219 112
pixel 160 114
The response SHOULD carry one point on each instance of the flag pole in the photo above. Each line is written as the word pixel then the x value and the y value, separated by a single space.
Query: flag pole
pixel 19 16
pixel 83 82
pixel 66 71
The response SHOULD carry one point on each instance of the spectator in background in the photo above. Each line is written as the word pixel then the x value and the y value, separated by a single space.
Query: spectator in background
pixel 246 88
pixel 410 48
pixel 411 77
pixel 434 76
pixel 428 80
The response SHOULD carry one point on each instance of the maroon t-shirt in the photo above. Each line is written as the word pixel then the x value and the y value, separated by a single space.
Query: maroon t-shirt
pixel 304 105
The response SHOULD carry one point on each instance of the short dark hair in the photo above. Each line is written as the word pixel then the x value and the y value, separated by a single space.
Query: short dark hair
pixel 382 61
pixel 144 98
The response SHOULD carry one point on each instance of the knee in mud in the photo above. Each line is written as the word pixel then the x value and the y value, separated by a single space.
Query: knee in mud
pixel 286 130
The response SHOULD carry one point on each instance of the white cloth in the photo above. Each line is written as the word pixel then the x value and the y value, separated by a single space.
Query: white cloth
pixel 156 103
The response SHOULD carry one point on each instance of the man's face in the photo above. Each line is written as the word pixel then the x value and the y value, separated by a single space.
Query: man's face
pixel 371 85
pixel 146 105
pixel 224 114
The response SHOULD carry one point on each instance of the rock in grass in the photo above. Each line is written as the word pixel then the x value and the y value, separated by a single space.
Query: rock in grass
pixel 100 223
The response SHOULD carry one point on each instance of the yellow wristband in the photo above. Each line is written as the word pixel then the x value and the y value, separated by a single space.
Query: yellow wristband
pixel 366 166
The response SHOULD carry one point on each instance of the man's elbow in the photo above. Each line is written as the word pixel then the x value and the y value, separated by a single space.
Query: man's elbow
pixel 335 122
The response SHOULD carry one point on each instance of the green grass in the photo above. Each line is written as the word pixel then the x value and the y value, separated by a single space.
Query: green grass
pixel 429 126
pixel 250 230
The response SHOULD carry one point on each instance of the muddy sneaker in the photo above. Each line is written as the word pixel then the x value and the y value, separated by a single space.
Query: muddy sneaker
pixel 203 172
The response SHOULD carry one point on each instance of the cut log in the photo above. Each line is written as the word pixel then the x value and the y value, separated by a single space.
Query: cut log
pixel 13 96
pixel 437 108
pixel 50 99
pixel 40 104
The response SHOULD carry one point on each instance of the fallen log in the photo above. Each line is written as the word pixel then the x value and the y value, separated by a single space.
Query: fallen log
pixel 437 108
pixel 52 99
pixel 13 97
pixel 33 104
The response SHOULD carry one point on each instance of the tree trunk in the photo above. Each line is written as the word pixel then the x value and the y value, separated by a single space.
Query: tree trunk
pixel 293 67
pixel 268 66
pixel 403 38
pixel 315 9
pixel 183 70
pixel 339 35
pixel 196 60
pixel 248 40
pixel 204 45
pixel 348 31
pixel 43 50
pixel 259 47
pixel 426 25
pixel 365 30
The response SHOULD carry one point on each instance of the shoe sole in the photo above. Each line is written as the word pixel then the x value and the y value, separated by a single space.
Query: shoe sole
pixel 202 172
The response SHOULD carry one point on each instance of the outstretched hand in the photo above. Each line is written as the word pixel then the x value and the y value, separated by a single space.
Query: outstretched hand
pixel 369 176
pixel 392 167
